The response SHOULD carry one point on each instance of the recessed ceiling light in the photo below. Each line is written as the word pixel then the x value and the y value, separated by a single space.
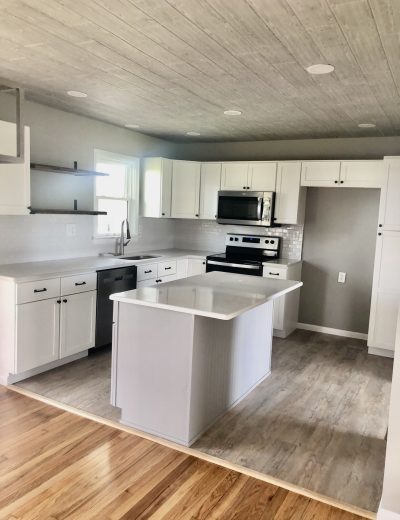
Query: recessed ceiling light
pixel 367 125
pixel 232 112
pixel 76 93
pixel 320 68
pixel 131 125
pixel 192 133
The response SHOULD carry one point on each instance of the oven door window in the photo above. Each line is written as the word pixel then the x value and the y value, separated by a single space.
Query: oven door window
pixel 239 208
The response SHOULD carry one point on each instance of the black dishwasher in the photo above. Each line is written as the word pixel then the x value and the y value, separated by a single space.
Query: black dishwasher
pixel 110 281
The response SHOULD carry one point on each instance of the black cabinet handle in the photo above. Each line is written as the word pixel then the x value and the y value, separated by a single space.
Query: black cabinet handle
pixel 149 271
pixel 197 215
pixel 341 182
pixel 163 214
pixel 80 283
pixel 40 290
pixel 273 274
pixel 65 300
pixel 119 278
pixel 204 263
pixel 248 187
pixel 244 187
pixel 167 268
pixel 58 301
pixel 336 182
pixel 380 225
pixel 379 234
pixel 158 281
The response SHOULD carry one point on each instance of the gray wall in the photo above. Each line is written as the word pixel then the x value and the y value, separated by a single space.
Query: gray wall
pixel 339 235
pixel 349 148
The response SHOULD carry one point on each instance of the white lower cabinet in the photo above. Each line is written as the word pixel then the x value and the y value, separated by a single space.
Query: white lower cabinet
pixel 196 266
pixel 286 308
pixel 77 323
pixel 38 334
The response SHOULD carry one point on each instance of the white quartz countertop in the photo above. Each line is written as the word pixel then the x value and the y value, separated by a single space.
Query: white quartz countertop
pixel 217 294
pixel 32 271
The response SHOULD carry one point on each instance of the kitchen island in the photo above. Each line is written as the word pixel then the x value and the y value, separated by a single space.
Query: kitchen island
pixel 187 351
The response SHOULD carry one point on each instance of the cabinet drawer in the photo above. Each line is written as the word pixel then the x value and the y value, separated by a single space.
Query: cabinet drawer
pixel 40 290
pixel 164 279
pixel 274 272
pixel 145 272
pixel 78 283
pixel 166 268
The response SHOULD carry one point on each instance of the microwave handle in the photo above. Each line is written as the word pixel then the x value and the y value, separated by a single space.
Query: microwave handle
pixel 266 213
pixel 260 208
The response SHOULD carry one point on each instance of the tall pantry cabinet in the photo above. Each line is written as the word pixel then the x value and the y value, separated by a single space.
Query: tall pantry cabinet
pixel 385 302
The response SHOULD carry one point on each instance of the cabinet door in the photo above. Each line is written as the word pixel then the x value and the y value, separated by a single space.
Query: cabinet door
pixel 234 176
pixel 38 328
pixel 290 196
pixel 155 189
pixel 362 174
pixel 14 178
pixel 262 176
pixel 77 323
pixel 210 182
pixel 196 266
pixel 385 292
pixel 320 173
pixel 389 212
pixel 279 310
pixel 185 189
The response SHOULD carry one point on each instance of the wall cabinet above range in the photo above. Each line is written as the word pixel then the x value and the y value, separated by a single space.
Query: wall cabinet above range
pixel 346 174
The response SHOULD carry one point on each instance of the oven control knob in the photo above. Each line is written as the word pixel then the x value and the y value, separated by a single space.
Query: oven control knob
pixel 231 239
pixel 272 241
pixel 267 241
pixel 236 239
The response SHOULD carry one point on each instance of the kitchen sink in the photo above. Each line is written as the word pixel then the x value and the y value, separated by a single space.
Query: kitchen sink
pixel 139 257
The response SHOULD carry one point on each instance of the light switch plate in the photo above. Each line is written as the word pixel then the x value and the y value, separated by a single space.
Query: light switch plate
pixel 71 230
pixel 341 277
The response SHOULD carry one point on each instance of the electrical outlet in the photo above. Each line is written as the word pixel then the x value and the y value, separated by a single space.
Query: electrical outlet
pixel 71 230
pixel 342 278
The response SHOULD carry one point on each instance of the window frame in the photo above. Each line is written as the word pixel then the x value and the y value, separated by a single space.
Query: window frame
pixel 131 190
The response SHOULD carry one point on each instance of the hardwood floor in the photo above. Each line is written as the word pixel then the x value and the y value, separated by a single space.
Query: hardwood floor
pixel 58 465
pixel 319 422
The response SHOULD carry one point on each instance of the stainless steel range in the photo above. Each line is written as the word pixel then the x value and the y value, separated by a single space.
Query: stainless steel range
pixel 245 254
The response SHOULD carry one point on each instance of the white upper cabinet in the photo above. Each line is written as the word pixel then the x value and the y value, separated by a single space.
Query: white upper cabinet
pixel 362 174
pixel 14 178
pixel 234 176
pixel 290 196
pixel 262 176
pixel 389 213
pixel 320 173
pixel 155 192
pixel 185 189
pixel 210 183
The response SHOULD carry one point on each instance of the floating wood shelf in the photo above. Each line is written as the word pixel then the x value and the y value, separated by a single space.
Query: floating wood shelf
pixel 64 212
pixel 69 171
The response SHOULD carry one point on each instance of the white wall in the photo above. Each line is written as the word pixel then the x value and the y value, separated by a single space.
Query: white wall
pixel 390 504
pixel 59 138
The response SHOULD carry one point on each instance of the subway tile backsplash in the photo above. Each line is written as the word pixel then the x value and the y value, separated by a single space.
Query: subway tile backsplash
pixel 210 236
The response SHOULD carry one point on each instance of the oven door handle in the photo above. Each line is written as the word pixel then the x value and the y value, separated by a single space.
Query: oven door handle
pixel 241 266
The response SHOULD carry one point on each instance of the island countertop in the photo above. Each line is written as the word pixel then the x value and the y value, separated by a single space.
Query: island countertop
pixel 217 294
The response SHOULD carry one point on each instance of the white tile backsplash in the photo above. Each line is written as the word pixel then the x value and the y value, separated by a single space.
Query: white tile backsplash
pixel 210 236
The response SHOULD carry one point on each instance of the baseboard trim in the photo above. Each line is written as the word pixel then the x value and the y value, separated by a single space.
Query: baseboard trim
pixel 335 332
pixel 203 456
pixel 381 352
pixel 384 514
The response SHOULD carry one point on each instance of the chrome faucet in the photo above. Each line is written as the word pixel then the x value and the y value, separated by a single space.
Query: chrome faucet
pixel 121 242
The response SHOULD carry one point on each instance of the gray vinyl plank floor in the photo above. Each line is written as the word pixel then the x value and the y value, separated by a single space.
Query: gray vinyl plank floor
pixel 319 421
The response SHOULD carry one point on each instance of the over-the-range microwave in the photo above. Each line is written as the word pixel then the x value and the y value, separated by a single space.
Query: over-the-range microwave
pixel 246 208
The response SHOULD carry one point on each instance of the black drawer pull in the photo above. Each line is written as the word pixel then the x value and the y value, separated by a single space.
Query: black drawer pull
pixel 119 278
pixel 80 283
pixel 149 271
pixel 58 301
pixel 158 281
pixel 40 290
pixel 273 274
pixel 167 268
pixel 65 300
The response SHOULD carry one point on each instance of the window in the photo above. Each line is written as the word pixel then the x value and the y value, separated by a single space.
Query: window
pixel 117 194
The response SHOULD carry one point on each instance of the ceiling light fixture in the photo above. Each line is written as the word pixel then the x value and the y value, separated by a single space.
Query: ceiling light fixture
pixel 77 93
pixel 320 68
pixel 193 133
pixel 232 112
pixel 131 125
pixel 367 125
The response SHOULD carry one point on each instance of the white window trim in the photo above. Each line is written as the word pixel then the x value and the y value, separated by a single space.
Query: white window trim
pixel 132 190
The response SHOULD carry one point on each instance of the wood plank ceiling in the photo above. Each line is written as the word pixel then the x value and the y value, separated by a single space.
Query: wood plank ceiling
pixel 173 66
